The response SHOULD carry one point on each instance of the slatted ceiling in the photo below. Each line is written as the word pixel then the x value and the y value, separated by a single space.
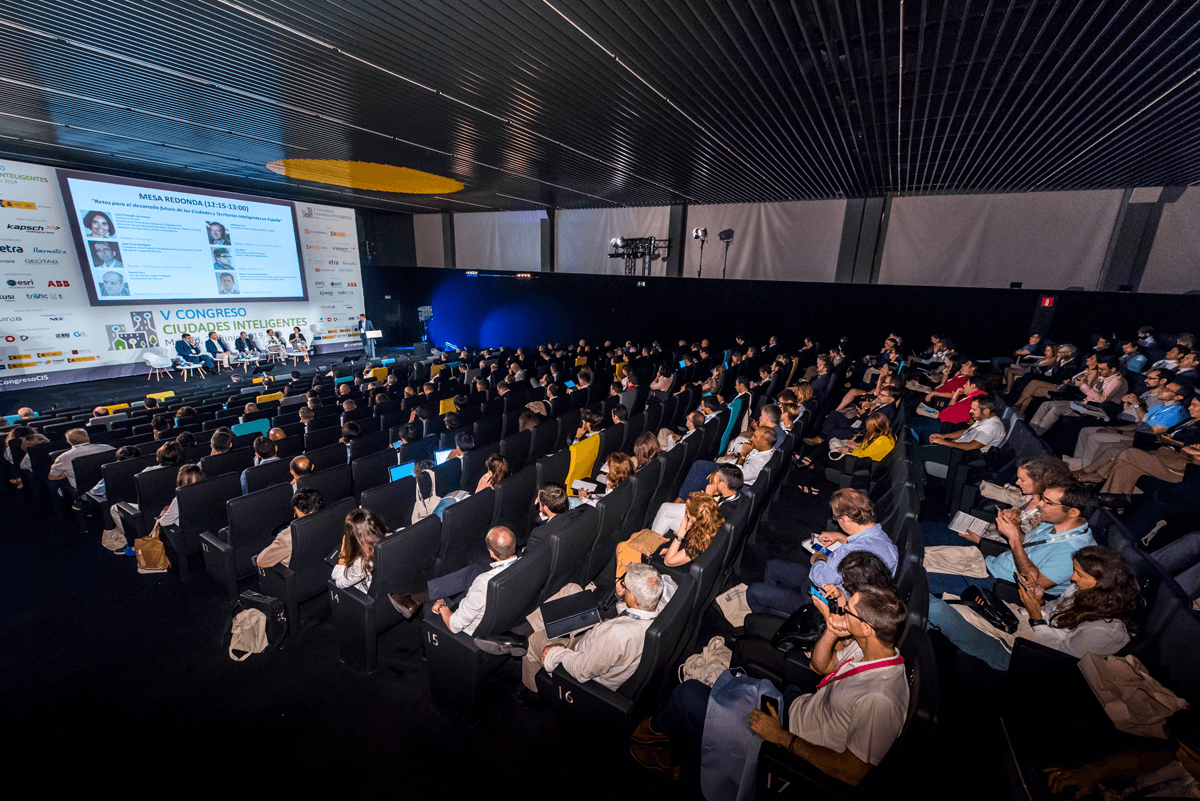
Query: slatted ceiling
pixel 578 103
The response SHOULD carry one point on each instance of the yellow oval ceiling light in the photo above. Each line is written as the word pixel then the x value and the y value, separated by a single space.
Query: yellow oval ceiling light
pixel 365 175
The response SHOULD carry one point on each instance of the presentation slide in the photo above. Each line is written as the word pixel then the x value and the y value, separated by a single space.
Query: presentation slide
pixel 142 241
pixel 59 322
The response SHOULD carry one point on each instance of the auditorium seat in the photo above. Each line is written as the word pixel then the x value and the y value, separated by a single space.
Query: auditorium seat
pixel 201 510
pixel 334 483
pixel 314 538
pixel 404 562
pixel 253 521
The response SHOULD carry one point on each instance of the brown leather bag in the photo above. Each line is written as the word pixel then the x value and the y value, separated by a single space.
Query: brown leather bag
pixel 150 552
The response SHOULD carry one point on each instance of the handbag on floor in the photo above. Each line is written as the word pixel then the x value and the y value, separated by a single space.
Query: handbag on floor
pixel 150 552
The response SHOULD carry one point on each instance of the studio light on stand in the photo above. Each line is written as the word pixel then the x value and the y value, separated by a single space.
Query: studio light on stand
pixel 702 235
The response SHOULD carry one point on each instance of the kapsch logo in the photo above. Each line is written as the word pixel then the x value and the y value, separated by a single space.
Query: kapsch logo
pixel 14 282
pixel 59 284
pixel 41 261
pixel 34 229
pixel 48 250
pixel 11 249
pixel 8 297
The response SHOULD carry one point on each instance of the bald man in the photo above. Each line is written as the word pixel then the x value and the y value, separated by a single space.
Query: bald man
pixel 276 434
pixel 300 467
pixel 502 548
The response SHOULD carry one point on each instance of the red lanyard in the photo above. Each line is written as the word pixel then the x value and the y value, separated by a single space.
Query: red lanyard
pixel 835 676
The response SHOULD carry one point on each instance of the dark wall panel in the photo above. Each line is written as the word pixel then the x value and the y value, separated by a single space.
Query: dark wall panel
pixel 504 310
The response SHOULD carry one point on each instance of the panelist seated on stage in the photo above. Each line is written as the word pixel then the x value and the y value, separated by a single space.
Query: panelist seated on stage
pixel 217 349
pixel 187 349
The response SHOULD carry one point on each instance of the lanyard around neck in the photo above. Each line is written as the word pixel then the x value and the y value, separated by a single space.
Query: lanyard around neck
pixel 836 676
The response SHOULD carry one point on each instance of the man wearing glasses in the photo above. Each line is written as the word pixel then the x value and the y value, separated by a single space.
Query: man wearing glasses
pixel 785 585
pixel 1042 558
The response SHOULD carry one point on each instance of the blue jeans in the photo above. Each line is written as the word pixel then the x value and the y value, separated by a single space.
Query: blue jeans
pixel 948 582
pixel 1182 560
pixel 968 638
pixel 783 590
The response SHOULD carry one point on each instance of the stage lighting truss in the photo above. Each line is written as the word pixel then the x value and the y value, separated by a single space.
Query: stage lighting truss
pixel 635 249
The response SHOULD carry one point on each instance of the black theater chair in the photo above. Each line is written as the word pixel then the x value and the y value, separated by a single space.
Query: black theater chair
pixel 392 503
pixel 464 525
pixel 371 471
pixel 514 502
pixel 268 475
pixel 611 512
pixel 328 457
pixel 333 483
pixel 457 667
pixel 254 520
pixel 404 563
pixel 154 490
pixel 515 449
pixel 234 461
pixel 201 510
pixel 314 538
pixel 645 483
pixel 569 548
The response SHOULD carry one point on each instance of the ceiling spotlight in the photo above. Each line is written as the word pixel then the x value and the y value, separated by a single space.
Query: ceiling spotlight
pixel 700 233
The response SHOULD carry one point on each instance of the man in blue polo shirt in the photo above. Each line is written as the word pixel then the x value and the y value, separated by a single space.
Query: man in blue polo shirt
pixel 1043 556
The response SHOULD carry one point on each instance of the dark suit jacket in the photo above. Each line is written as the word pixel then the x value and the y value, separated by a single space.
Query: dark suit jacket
pixel 541 534
pixel 215 347
pixel 185 350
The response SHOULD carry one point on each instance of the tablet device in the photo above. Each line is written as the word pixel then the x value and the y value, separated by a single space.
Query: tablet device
pixel 440 457
pixel 399 471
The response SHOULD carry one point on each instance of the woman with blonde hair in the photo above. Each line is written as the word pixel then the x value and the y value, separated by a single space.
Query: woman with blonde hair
pixel 356 560
pixel 701 520
pixel 878 441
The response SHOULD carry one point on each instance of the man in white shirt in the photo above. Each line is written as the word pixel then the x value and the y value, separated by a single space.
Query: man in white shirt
pixel 609 653
pixel 844 728
pixel 750 455
pixel 983 434
pixel 502 548
pixel 81 445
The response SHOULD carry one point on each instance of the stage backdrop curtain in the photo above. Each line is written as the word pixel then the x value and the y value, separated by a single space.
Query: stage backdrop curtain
pixel 499 240
pixel 767 241
pixel 1171 267
pixel 427 231
pixel 584 234
pixel 1046 240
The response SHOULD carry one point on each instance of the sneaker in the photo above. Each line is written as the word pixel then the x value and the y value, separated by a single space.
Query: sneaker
pixel 656 758
pixel 646 734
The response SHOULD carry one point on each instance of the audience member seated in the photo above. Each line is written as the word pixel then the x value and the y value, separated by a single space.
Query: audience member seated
pixel 701 520
pixel 81 445
pixel 304 503
pixel 751 457
pixel 1162 406
pixel 188 474
pixel 1107 385
pixel 1172 453
pixel 785 586
pixel 986 432
pixel 470 584
pixel 844 728
pixel 645 450
pixel 1046 560
pixel 356 559
pixel 609 653
pixel 1033 476
pixel 877 442
pixel 1093 615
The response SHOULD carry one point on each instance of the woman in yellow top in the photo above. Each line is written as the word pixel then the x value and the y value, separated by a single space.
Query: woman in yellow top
pixel 878 441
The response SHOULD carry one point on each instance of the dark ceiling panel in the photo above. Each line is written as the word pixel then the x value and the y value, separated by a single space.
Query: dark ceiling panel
pixel 593 103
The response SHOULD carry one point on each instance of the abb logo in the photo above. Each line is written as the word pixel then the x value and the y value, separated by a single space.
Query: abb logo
pixel 59 283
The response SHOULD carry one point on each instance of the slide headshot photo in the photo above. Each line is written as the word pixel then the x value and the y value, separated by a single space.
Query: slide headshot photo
pixel 107 255
pixel 112 285
pixel 99 225
pixel 217 234
pixel 222 259
pixel 228 284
